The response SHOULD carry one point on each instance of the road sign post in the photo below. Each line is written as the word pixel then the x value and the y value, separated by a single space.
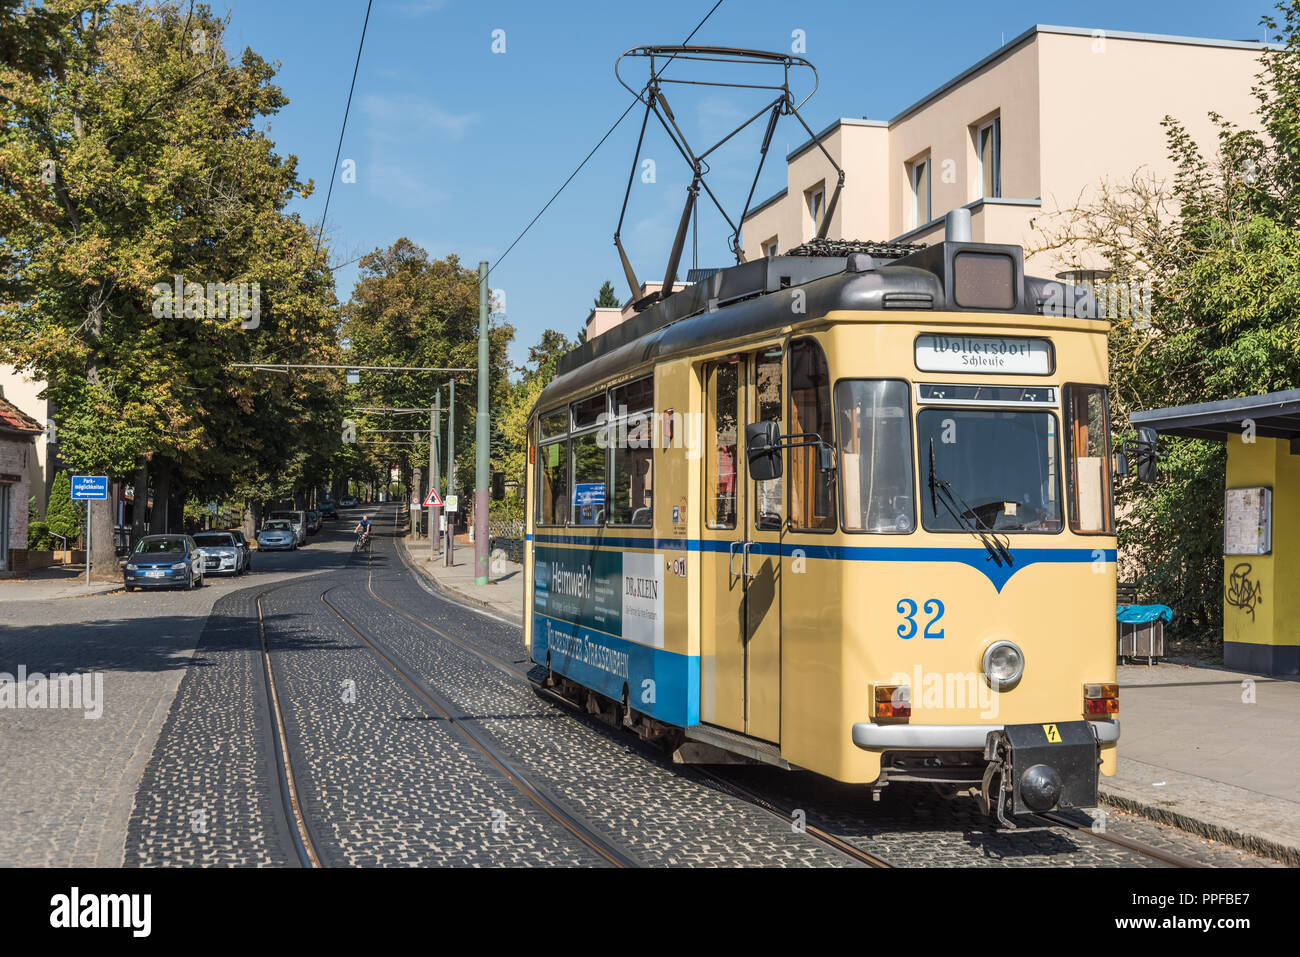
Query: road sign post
pixel 89 488
pixel 451 504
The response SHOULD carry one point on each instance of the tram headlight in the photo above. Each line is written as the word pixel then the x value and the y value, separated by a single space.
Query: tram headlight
pixel 1004 663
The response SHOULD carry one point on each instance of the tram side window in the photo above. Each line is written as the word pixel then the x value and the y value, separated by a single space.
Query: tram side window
pixel 812 489
pixel 632 459
pixel 1088 459
pixel 588 503
pixel 875 448
pixel 553 483
pixel 767 406
pixel 723 383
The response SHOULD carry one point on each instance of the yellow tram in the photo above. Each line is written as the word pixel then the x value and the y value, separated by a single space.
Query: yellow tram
pixel 850 513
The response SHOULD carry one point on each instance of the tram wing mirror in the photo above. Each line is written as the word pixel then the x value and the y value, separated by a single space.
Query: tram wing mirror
pixel 1146 463
pixel 762 450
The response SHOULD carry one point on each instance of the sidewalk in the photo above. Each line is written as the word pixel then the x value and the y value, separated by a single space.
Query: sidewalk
pixel 504 596
pixel 1192 752
pixel 1197 753
pixel 58 581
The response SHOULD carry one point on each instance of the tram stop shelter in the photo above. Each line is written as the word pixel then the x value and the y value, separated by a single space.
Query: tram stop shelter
pixel 1261 541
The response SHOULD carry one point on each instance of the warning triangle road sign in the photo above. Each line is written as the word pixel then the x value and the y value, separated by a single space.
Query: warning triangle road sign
pixel 432 498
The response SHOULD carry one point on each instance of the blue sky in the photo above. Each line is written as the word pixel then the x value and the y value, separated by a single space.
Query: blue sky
pixel 458 147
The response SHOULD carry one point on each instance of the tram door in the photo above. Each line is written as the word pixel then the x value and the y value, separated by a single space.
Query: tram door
pixel 740 672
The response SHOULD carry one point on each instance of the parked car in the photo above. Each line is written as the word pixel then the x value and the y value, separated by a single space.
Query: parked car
pixel 221 553
pixel 297 519
pixel 277 535
pixel 164 561
pixel 244 547
pixel 329 511
pixel 347 501
pixel 313 521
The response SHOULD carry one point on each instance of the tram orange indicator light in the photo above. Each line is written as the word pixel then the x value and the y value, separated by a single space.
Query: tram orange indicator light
pixel 893 701
pixel 1099 699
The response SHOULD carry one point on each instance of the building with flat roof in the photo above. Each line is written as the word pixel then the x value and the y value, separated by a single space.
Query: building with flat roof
pixel 1030 130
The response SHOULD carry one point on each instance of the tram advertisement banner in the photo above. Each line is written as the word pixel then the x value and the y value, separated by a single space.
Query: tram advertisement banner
pixel 600 614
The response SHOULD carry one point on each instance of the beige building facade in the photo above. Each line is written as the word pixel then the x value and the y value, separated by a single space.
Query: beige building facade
pixel 1029 131
pixel 39 465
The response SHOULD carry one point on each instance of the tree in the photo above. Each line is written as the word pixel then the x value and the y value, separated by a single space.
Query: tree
pixel 1218 248
pixel 607 298
pixel 133 161
pixel 409 310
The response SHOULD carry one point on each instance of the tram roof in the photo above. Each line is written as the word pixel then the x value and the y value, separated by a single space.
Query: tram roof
pixel 757 297
pixel 1275 414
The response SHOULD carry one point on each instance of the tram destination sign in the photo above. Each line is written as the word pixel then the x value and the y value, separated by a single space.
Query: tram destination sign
pixel 988 354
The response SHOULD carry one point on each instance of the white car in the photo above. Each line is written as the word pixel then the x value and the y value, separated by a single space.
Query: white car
pixel 221 553
pixel 277 535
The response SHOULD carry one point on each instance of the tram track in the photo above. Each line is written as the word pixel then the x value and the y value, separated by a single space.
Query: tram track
pixel 1057 819
pixel 290 799
pixel 434 703
pixel 1051 819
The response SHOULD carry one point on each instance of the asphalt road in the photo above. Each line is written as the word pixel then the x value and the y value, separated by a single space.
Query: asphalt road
pixel 412 741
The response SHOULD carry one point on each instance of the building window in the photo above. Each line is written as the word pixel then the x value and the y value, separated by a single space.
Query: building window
pixel 816 200
pixel 920 173
pixel 988 146
pixel 770 248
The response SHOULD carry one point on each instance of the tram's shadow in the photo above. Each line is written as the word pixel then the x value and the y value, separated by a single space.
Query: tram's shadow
pixel 910 823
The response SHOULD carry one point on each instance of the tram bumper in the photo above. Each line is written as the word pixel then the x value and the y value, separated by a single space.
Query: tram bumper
pixel 1041 767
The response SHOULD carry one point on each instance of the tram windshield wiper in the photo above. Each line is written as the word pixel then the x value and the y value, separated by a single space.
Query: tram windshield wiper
pixel 941 491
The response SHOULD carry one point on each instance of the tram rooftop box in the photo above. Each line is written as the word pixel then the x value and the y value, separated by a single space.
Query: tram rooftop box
pixel 946 277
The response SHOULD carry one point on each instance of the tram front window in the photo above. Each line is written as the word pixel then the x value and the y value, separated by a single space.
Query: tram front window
pixel 1001 465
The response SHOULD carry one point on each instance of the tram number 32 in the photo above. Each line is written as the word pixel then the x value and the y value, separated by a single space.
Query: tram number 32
pixel 907 608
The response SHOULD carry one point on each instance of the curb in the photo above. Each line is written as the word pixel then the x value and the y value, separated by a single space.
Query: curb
pixel 454 594
pixel 1286 853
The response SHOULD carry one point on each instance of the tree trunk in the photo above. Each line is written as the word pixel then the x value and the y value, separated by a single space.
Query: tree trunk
pixel 162 482
pixel 139 510
pixel 103 557
pixel 252 518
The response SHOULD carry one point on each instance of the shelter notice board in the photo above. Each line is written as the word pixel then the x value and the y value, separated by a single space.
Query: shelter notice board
pixel 1248 521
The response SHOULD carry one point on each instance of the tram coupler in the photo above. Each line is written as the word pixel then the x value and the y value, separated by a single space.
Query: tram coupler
pixel 1039 768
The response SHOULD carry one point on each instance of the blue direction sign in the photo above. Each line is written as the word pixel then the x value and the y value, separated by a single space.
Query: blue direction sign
pixel 89 487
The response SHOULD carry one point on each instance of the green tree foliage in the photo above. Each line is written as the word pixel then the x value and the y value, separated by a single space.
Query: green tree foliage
pixel 409 310
pixel 1219 246
pixel 134 149
pixel 607 298
pixel 63 516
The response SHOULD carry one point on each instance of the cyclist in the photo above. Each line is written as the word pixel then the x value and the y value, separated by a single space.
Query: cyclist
pixel 362 531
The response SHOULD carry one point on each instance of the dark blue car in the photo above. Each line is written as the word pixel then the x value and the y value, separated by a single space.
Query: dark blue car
pixel 164 561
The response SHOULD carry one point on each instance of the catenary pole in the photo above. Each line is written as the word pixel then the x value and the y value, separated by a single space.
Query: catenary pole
pixel 481 436
pixel 449 553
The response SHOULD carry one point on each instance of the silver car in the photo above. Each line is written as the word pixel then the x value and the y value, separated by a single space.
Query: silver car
pixel 221 554
pixel 296 519
pixel 276 535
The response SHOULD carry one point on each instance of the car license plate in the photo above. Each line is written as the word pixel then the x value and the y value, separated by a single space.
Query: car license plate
pixel 155 574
